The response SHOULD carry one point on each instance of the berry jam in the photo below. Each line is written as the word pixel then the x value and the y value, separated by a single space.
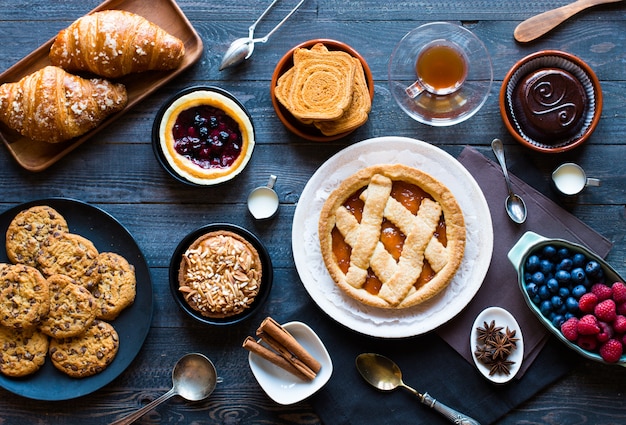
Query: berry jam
pixel 207 136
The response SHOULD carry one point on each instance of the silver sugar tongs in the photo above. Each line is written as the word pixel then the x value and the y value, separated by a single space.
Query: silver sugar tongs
pixel 242 48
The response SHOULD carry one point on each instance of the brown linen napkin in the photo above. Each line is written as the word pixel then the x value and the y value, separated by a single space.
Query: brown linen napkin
pixel 500 287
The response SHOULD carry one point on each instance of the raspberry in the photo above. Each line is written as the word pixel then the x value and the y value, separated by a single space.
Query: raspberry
pixel 588 325
pixel 588 302
pixel 602 291
pixel 605 311
pixel 606 332
pixel 621 308
pixel 619 324
pixel 611 351
pixel 619 292
pixel 569 329
pixel 587 342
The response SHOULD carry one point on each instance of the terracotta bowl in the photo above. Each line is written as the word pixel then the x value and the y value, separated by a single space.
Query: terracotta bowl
pixel 310 132
pixel 560 60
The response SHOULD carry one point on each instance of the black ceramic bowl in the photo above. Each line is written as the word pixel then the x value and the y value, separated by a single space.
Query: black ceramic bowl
pixel 266 277
pixel 210 96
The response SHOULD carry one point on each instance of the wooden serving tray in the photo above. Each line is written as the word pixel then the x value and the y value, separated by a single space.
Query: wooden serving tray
pixel 37 156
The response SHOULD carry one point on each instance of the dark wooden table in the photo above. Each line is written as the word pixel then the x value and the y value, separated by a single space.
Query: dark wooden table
pixel 117 172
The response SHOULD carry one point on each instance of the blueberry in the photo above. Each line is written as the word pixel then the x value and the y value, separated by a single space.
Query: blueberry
pixel 578 276
pixel 579 260
pixel 549 251
pixel 546 266
pixel 558 320
pixel 556 302
pixel 564 292
pixel 571 304
pixel 593 269
pixel 532 289
pixel 562 253
pixel 538 278
pixel 579 291
pixel 553 285
pixel 562 276
pixel 544 292
pixel 565 264
pixel 532 263
pixel 545 308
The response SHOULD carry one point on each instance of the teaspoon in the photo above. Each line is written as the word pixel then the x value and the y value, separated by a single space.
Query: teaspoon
pixel 384 374
pixel 514 205
pixel 242 48
pixel 193 378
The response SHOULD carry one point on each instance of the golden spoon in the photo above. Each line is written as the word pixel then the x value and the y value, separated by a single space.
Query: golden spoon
pixel 535 27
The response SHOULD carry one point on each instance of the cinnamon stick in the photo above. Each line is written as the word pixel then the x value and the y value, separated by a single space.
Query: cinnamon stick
pixel 287 355
pixel 252 345
pixel 283 338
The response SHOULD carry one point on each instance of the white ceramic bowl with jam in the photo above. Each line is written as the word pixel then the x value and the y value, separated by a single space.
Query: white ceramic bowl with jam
pixel 203 136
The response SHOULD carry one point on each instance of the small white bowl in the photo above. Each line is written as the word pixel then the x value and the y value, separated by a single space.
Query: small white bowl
pixel 280 385
pixel 504 319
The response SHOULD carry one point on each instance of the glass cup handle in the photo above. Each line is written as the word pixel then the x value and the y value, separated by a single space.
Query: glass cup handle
pixel 592 182
pixel 414 89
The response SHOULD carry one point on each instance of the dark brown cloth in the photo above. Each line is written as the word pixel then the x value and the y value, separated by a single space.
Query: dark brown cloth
pixel 430 364
pixel 500 287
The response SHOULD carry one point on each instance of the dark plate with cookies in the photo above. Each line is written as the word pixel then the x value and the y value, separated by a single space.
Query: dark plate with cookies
pixel 220 274
pixel 125 329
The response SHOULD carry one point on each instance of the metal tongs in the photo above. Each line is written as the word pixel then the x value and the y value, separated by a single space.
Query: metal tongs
pixel 242 48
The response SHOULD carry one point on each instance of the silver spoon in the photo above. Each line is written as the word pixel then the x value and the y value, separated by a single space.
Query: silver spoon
pixel 514 205
pixel 193 378
pixel 242 48
pixel 384 374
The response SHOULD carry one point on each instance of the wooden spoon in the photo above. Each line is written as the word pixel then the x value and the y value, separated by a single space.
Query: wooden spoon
pixel 538 25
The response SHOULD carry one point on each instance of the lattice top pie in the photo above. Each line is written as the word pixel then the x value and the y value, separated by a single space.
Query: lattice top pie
pixel 392 236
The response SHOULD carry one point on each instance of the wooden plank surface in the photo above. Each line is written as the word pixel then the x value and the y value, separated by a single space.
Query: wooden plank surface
pixel 117 171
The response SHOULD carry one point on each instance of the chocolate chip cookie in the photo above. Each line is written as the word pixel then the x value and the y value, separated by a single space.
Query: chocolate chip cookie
pixel 86 354
pixel 66 253
pixel 29 229
pixel 24 297
pixel 21 352
pixel 112 282
pixel 72 308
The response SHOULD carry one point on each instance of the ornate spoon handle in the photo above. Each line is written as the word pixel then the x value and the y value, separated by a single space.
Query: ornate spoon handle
pixel 453 415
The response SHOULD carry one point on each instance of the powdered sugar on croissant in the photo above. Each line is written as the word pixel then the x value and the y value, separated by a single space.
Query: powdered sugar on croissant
pixel 51 105
pixel 114 43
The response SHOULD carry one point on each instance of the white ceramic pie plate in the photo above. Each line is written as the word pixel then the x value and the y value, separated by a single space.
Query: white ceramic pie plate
pixel 280 385
pixel 382 322
pixel 503 318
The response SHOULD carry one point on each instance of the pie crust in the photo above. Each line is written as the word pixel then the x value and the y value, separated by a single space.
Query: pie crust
pixel 408 243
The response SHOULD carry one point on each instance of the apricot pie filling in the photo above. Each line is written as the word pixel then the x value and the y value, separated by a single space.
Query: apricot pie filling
pixel 392 236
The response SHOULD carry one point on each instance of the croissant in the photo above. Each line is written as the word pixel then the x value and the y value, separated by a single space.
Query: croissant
pixel 51 105
pixel 114 43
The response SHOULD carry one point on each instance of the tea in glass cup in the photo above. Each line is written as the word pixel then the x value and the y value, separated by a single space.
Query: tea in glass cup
pixel 441 69
pixel 440 73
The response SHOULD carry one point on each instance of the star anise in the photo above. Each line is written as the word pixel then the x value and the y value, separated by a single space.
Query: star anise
pixel 483 353
pixel 510 334
pixel 501 367
pixel 502 346
pixel 494 347
pixel 488 331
